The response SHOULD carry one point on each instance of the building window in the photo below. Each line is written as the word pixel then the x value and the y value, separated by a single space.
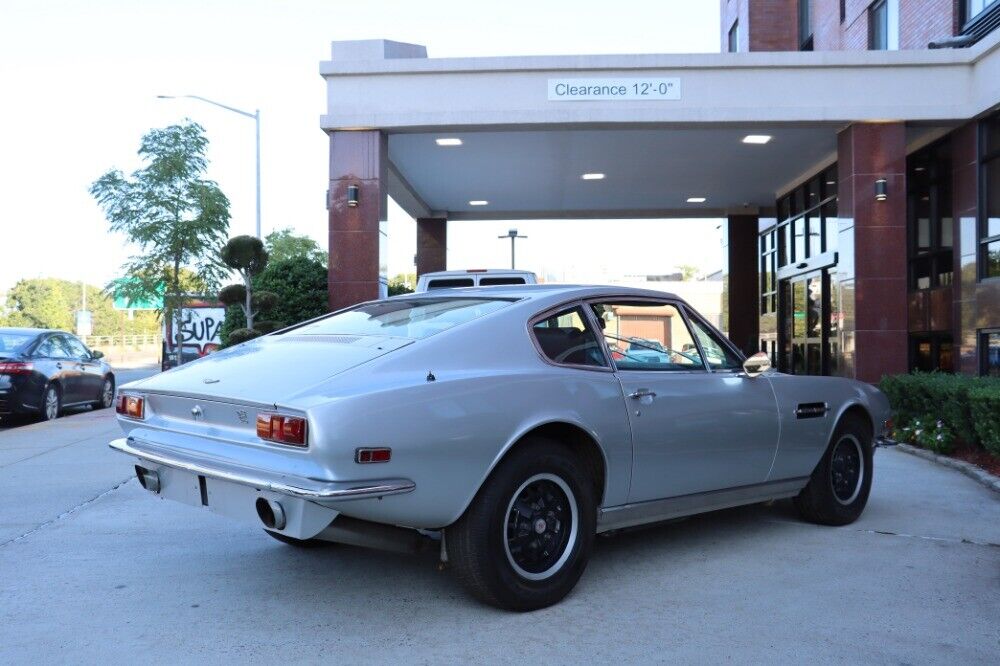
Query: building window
pixel 930 227
pixel 878 26
pixel 989 351
pixel 807 216
pixel 734 37
pixel 843 10
pixel 973 8
pixel 768 270
pixel 989 224
pixel 932 352
pixel 805 26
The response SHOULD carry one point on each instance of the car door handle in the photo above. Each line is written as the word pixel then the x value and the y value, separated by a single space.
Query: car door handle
pixel 642 393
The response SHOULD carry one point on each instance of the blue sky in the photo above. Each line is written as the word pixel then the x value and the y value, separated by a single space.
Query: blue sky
pixel 80 81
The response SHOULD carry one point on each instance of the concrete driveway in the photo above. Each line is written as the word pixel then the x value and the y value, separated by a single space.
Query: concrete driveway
pixel 94 569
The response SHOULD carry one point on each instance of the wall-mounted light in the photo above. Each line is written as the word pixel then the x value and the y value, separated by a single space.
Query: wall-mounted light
pixel 352 195
pixel 881 190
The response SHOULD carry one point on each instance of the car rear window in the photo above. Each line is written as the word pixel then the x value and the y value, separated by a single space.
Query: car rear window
pixel 494 281
pixel 14 342
pixel 449 283
pixel 409 318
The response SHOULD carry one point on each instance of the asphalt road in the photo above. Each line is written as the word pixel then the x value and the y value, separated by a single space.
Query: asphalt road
pixel 94 569
pixel 122 376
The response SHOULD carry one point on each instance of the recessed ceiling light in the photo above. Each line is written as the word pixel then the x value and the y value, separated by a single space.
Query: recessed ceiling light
pixel 696 199
pixel 756 138
pixel 831 182
pixel 593 176
pixel 920 169
pixel 448 141
pixel 478 202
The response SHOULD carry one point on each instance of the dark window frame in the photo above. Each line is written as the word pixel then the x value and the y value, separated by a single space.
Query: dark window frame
pixel 935 339
pixel 987 155
pixel 983 349
pixel 817 212
pixel 966 16
pixel 843 10
pixel 873 30
pixel 938 195
pixel 805 25
pixel 733 37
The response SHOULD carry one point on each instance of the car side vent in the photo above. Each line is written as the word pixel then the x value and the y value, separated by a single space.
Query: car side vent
pixel 811 410
pixel 332 339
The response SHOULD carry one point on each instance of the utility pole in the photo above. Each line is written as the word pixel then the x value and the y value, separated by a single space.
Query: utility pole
pixel 512 235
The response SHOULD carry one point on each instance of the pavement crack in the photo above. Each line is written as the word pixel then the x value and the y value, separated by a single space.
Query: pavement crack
pixel 932 538
pixel 68 512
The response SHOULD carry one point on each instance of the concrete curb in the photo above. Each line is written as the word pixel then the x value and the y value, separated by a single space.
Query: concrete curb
pixel 970 470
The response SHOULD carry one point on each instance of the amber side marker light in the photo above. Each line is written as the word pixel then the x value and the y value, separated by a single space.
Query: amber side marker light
pixel 373 455
pixel 281 429
pixel 131 406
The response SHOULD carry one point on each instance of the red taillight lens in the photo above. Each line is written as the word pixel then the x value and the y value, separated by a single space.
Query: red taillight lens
pixel 131 406
pixel 372 455
pixel 282 429
pixel 16 368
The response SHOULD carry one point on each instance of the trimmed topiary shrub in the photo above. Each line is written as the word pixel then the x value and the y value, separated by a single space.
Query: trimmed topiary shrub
pixel 242 335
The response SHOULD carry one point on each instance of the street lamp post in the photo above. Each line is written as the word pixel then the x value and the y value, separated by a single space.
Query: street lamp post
pixel 512 235
pixel 256 117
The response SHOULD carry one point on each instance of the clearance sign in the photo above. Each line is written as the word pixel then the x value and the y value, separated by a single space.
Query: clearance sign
pixel 632 90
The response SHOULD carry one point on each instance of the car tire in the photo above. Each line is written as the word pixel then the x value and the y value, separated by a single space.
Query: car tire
pixel 298 543
pixel 51 403
pixel 107 394
pixel 525 539
pixel 838 489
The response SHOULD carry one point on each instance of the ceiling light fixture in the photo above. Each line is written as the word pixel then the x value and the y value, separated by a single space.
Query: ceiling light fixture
pixel 478 202
pixel 759 139
pixel 448 141
pixel 593 176
pixel 696 199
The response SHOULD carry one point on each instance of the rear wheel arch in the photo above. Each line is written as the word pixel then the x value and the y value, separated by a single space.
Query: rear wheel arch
pixel 859 412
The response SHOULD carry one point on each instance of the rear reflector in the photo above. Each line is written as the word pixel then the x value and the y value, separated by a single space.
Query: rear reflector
pixel 365 456
pixel 16 368
pixel 282 429
pixel 131 406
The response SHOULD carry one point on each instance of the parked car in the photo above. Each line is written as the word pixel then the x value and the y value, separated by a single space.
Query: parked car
pixel 476 277
pixel 499 423
pixel 44 371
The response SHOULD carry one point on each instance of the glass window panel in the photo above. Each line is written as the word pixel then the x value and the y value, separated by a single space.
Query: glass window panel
pixel 566 338
pixel 799 309
pixel 814 292
pixel 798 359
pixel 944 269
pixel 992 183
pixel 991 260
pixel 990 345
pixel 993 132
pixel 922 356
pixel 923 233
pixel 784 209
pixel 922 273
pixel 799 247
pixel 798 198
pixel 946 356
pixel 784 245
pixel 812 192
pixel 831 227
pixel 830 182
pixel 878 26
pixel 645 335
pixel 717 354
pixel 814 359
pixel 947 232
pixel 815 235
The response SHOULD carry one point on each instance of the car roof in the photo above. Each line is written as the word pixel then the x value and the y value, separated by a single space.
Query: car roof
pixel 544 292
pixel 474 272
pixel 28 331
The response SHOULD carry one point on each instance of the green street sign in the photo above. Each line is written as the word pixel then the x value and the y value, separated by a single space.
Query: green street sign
pixel 121 302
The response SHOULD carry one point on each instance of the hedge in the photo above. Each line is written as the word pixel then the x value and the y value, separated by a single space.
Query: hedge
pixel 936 410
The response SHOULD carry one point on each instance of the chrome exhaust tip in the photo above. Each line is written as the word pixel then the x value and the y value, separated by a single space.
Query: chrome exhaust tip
pixel 270 513
pixel 148 479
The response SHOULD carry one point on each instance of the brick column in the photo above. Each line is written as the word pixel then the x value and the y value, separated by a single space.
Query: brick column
pixel 432 244
pixel 872 270
pixel 740 292
pixel 357 233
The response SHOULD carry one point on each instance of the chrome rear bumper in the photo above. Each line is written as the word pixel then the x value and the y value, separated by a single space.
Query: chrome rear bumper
pixel 305 488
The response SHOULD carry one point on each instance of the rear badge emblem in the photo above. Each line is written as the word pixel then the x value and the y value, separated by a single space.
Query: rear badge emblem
pixel 210 381
pixel 196 413
pixel 242 416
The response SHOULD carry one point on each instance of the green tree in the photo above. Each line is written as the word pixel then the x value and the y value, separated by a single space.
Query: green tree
pixel 402 283
pixel 247 256
pixel 178 219
pixel 688 272
pixel 282 244
pixel 301 290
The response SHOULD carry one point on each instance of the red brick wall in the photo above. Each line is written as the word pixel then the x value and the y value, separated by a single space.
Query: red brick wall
pixel 773 24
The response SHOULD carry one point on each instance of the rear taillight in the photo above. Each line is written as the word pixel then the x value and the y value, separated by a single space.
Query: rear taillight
pixel 282 429
pixel 16 368
pixel 372 455
pixel 131 406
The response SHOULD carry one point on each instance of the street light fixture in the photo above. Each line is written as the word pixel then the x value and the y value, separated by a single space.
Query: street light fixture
pixel 256 117
pixel 512 235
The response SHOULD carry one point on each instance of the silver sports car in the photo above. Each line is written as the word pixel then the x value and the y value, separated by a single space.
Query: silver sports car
pixel 502 426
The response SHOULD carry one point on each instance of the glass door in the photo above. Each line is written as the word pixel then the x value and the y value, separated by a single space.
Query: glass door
pixel 805 309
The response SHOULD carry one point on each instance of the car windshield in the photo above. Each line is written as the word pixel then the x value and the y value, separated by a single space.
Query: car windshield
pixel 14 342
pixel 406 318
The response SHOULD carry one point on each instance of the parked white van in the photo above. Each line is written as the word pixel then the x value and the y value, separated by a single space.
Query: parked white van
pixel 476 277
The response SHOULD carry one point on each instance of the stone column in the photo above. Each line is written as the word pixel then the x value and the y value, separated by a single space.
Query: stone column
pixel 871 270
pixel 357 233
pixel 432 244
pixel 740 290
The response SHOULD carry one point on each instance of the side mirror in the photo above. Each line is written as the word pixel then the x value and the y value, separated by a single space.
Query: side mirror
pixel 96 354
pixel 757 364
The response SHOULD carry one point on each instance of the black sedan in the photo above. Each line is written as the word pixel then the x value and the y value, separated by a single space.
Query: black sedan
pixel 43 371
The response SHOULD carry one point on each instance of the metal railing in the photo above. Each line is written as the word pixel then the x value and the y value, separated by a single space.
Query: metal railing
pixel 98 341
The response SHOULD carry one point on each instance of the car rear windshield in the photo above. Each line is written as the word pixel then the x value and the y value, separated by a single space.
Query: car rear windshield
pixel 449 283
pixel 416 318
pixel 14 342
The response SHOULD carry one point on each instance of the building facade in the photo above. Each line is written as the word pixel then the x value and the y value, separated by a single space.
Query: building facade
pixel 950 272
pixel 859 180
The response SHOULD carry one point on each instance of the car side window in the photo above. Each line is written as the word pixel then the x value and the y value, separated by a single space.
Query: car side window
pixel 566 338
pixel 75 348
pixel 648 335
pixel 718 355
pixel 53 348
